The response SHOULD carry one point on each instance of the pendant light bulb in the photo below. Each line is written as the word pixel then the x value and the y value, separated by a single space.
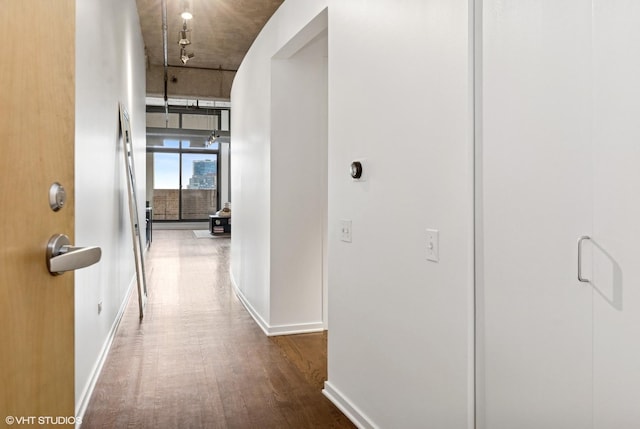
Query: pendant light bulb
pixel 186 10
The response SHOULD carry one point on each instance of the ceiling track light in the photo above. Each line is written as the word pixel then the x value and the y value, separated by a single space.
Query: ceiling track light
pixel 212 138
pixel 185 56
pixel 184 35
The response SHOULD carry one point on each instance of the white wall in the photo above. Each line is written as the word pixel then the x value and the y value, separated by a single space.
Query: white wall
pixel 400 344
pixel 251 167
pixel 298 187
pixel 109 69
pixel 399 91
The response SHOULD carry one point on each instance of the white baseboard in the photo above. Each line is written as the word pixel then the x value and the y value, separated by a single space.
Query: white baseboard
pixel 81 406
pixel 354 414
pixel 301 328
pixel 256 316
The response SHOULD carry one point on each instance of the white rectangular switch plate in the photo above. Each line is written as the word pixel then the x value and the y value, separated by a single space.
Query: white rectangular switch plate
pixel 345 231
pixel 433 246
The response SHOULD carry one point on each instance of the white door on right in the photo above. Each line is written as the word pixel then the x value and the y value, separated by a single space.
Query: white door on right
pixel 534 321
pixel 560 158
pixel 616 214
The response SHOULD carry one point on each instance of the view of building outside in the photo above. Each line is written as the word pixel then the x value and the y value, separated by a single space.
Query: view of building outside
pixel 199 186
pixel 199 176
pixel 204 175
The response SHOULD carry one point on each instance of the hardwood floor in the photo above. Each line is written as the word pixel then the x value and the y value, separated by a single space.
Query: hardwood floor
pixel 198 360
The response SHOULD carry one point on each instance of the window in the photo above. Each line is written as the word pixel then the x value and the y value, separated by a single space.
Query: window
pixel 185 181
pixel 166 186
pixel 199 185
pixel 185 165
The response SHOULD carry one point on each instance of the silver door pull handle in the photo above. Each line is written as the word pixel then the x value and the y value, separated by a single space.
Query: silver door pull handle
pixel 580 240
pixel 61 256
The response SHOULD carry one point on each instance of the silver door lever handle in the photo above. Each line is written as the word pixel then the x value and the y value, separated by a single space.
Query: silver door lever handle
pixel 61 256
pixel 580 240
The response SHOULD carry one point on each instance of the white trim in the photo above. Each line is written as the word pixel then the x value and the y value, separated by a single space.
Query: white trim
pixel 256 316
pixel 81 406
pixel 270 331
pixel 354 414
pixel 302 328
pixel 314 28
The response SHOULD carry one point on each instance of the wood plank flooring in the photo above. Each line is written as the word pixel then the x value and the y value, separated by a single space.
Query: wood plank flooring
pixel 198 360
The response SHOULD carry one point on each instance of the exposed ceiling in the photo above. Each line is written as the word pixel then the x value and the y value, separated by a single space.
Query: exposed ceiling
pixel 221 33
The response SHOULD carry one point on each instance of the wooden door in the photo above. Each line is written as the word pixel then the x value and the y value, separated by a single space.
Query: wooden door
pixel 534 320
pixel 37 102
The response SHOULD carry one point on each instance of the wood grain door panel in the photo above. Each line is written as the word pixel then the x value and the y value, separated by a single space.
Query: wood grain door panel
pixel 37 130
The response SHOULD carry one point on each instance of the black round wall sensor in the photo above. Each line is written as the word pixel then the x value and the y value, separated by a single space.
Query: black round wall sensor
pixel 356 169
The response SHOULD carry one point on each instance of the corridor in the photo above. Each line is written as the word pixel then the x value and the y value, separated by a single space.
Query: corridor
pixel 198 360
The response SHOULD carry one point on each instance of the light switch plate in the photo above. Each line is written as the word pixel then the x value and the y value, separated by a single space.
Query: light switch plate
pixel 345 231
pixel 433 245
